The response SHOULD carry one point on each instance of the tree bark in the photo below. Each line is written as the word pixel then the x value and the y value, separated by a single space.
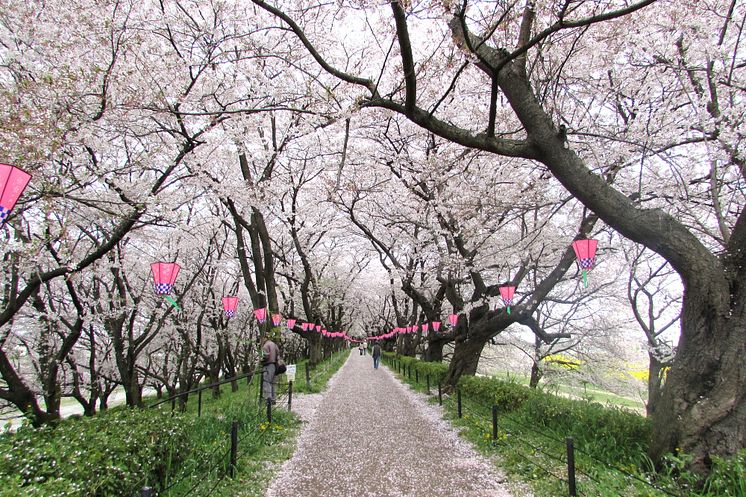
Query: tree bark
pixel 536 374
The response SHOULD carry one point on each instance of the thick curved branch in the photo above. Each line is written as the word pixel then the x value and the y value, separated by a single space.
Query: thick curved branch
pixel 405 45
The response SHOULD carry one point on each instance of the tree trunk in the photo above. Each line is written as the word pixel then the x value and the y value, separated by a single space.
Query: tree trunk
pixel 465 360
pixel 702 408
pixel 536 374
pixel 434 351
pixel 654 384
pixel 316 354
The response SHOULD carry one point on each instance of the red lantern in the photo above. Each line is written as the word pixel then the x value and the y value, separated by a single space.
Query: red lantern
pixel 164 275
pixel 229 306
pixel 291 323
pixel 12 183
pixel 507 292
pixel 453 319
pixel 436 326
pixel 260 315
pixel 276 318
pixel 585 251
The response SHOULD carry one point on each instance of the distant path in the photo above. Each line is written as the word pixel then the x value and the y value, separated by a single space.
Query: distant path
pixel 372 436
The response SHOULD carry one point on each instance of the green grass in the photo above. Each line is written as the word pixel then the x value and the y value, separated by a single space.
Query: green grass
pixel 610 444
pixel 178 453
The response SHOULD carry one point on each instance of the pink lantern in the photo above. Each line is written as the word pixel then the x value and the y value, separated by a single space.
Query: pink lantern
pixel 453 319
pixel 276 318
pixel 436 326
pixel 260 315
pixel 12 183
pixel 425 328
pixel 507 292
pixel 415 328
pixel 229 306
pixel 164 275
pixel 291 323
pixel 585 251
pixel 318 328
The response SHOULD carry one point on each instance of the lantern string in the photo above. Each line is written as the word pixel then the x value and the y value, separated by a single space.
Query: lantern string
pixel 585 278
pixel 508 309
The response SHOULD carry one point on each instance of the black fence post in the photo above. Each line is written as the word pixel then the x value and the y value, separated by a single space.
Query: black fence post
pixel 308 377
pixel 440 394
pixel 494 424
pixel 458 401
pixel 173 404
pixel 269 411
pixel 428 384
pixel 234 447
pixel 409 371
pixel 147 492
pixel 290 394
pixel 261 386
pixel 416 375
pixel 199 403
pixel 571 466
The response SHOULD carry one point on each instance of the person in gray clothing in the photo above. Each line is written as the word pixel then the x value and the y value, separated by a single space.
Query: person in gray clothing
pixel 270 353
pixel 376 355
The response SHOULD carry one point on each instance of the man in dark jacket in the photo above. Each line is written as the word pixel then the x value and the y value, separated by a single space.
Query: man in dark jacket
pixel 376 355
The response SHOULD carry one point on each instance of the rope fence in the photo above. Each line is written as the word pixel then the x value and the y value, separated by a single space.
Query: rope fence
pixel 567 459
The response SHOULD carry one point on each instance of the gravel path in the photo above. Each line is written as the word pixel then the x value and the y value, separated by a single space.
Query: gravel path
pixel 371 436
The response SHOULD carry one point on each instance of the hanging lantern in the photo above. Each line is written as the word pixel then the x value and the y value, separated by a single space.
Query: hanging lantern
pixel 164 275
pixel 12 183
pixel 507 292
pixel 276 318
pixel 260 315
pixel 229 306
pixel 318 328
pixel 415 328
pixel 425 328
pixel 291 323
pixel 585 251
pixel 453 319
pixel 436 326
pixel 305 326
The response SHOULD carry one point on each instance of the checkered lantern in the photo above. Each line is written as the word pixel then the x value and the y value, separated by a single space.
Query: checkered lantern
pixel 585 251
pixel 12 183
pixel 507 293
pixel 164 275
pixel 260 315
pixel 453 319
pixel 229 306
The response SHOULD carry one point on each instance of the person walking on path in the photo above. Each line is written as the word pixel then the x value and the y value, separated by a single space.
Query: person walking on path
pixel 360 348
pixel 270 353
pixel 376 356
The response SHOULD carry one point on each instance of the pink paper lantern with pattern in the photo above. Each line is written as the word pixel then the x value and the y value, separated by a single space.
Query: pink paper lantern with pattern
pixel 585 251
pixel 12 183
pixel 291 323
pixel 453 319
pixel 276 319
pixel 436 326
pixel 229 306
pixel 260 315
pixel 507 293
pixel 164 276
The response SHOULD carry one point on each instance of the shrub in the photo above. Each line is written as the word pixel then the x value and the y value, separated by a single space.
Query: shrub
pixel 113 453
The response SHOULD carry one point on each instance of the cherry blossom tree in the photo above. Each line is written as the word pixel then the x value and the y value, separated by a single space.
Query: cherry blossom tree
pixel 548 82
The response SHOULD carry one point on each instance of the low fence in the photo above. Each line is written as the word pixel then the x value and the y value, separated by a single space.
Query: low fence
pixel 503 421
pixel 233 449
